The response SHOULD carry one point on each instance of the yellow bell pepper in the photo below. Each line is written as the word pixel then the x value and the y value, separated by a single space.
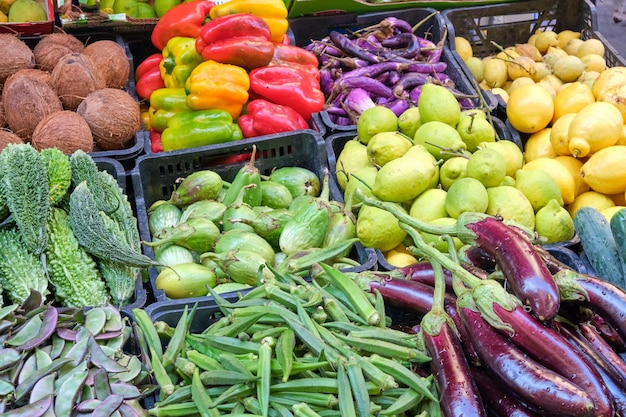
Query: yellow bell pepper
pixel 212 85
pixel 274 12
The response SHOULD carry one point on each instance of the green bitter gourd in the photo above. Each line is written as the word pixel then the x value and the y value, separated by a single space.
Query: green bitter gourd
pixel 59 173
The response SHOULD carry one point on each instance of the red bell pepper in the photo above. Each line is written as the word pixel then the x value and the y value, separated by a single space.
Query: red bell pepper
pixel 237 39
pixel 156 145
pixel 148 76
pixel 290 87
pixel 185 19
pixel 296 57
pixel 266 118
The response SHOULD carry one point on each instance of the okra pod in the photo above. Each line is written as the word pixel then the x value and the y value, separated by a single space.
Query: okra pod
pixel 202 361
pixel 313 398
pixel 386 349
pixel 148 331
pixel 177 342
pixel 201 398
pixel 407 400
pixel 161 376
pixel 225 377
pixel 357 385
pixel 227 344
pixel 264 375
pixel 285 344
pixel 303 410
pixel 403 374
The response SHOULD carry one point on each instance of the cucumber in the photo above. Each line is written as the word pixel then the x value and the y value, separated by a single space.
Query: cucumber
pixel 618 228
pixel 599 245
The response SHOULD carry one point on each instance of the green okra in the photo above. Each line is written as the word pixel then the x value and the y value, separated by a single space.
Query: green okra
pixel 162 377
pixel 225 377
pixel 228 344
pixel 357 385
pixel 285 346
pixel 201 398
pixel 232 363
pixel 274 331
pixel 148 331
pixel 386 349
pixel 264 374
pixel 406 401
pixel 315 399
pixel 344 394
pixel 236 327
pixel 403 375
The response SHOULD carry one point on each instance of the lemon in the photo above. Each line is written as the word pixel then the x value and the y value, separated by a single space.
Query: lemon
pixel 559 134
pixel 609 80
pixel 574 165
pixel 538 145
pixel 511 204
pixel 375 120
pixel 553 223
pixel 401 180
pixel 530 108
pixel 590 46
pixel 610 211
pixel 352 157
pixel 550 58
pixel 508 53
pixel 605 170
pixel 569 68
pixel 502 93
pixel 476 67
pixel 466 195
pixel 559 172
pixel 589 78
pixel 379 229
pixel 399 258
pixel 362 178
pixel 526 49
pixel 409 121
pixel 571 47
pixel 384 147
pixel 518 82
pixel 475 130
pixel 571 99
pixel 437 103
pixel 441 139
pixel 594 62
pixel 538 186
pixel 512 154
pixel 521 66
pixel 451 170
pixel 589 198
pixel 495 73
pixel 565 36
pixel 546 39
pixel 429 205
pixel 487 166
pixel 542 70
pixel 437 241
pixel 463 47
pixel 596 126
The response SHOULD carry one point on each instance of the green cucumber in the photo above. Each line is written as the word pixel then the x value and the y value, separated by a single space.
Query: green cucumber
pixel 618 228
pixel 599 245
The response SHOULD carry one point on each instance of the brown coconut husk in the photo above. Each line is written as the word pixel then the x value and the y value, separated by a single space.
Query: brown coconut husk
pixel 26 101
pixel 111 59
pixel 65 130
pixel 3 120
pixel 51 48
pixel 113 116
pixel 73 78
pixel 44 76
pixel 16 55
pixel 7 137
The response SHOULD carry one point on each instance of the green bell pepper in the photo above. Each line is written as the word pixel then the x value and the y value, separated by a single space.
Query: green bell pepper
pixel 164 103
pixel 199 128
pixel 179 59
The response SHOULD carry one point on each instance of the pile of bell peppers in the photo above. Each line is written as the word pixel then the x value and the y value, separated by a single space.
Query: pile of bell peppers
pixel 225 72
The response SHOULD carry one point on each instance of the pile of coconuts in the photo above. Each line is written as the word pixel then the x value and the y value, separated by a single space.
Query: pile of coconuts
pixel 65 94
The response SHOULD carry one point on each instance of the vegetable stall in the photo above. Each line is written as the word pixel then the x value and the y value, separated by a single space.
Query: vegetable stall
pixel 250 208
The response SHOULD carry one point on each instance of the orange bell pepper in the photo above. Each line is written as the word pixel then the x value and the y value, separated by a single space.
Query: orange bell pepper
pixel 274 12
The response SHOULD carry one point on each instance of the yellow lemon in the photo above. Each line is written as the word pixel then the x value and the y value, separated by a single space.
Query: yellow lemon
pixel 590 46
pixel 559 134
pixel 565 36
pixel 589 78
pixel 502 93
pixel 569 68
pixel 596 126
pixel 526 49
pixel 574 165
pixel 476 67
pixel 495 73
pixel 518 82
pixel 605 170
pixel 571 99
pixel 463 47
pixel 542 70
pixel 538 145
pixel 546 39
pixel 379 229
pixel 610 211
pixel 589 198
pixel 571 47
pixel 400 257
pixel 594 62
pixel 559 172
pixel 530 108
pixel 521 66
pixel 554 223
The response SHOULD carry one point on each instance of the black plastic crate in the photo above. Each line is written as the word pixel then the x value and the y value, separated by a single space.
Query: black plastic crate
pixel 136 147
pixel 116 169
pixel 509 23
pixel 154 176
pixel 432 26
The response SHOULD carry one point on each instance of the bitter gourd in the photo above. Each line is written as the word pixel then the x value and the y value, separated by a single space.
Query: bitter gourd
pixel 59 173
pixel 72 271
pixel 20 270
pixel 84 168
pixel 93 234
pixel 25 186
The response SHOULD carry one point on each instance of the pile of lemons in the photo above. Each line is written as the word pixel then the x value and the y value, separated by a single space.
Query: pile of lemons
pixel 435 162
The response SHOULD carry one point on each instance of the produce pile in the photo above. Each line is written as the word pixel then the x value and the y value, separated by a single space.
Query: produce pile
pixel 68 361
pixel 561 95
pixel 231 77
pixel 65 94
pixel 22 11
pixel 214 233
pixel 68 230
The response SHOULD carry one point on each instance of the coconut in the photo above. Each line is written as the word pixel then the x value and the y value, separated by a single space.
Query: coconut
pixel 26 101
pixel 7 137
pixel 15 55
pixel 3 120
pixel 44 76
pixel 65 130
pixel 113 116
pixel 111 59
pixel 73 78
pixel 51 48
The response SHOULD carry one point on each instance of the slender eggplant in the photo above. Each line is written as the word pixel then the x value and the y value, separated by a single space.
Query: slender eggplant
pixel 544 344
pixel 608 332
pixel 404 45
pixel 616 365
pixel 196 234
pixel 522 266
pixel 200 185
pixel 533 383
pixel 344 43
pixel 247 174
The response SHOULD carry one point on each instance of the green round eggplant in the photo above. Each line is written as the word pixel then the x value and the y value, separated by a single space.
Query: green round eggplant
pixel 299 180
pixel 243 240
pixel 186 280
pixel 275 195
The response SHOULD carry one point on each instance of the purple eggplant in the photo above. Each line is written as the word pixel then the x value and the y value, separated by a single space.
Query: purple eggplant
pixel 351 48
pixel 535 384
pixel 614 362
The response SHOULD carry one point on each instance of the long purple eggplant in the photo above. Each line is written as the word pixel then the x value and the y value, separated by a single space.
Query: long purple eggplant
pixel 615 363
pixel 535 384
pixel 544 344
pixel 524 270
